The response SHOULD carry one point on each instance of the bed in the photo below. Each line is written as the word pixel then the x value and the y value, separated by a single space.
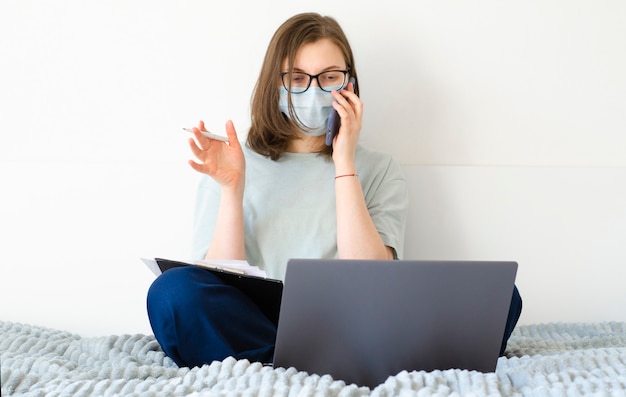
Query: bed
pixel 555 359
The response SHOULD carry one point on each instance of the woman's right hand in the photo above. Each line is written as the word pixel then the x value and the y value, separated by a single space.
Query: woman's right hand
pixel 222 161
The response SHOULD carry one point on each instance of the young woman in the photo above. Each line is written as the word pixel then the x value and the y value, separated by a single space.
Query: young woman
pixel 283 194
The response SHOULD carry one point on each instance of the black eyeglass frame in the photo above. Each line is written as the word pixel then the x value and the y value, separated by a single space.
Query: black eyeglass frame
pixel 316 77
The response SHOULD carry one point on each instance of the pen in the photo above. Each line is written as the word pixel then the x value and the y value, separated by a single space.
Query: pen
pixel 216 267
pixel 209 135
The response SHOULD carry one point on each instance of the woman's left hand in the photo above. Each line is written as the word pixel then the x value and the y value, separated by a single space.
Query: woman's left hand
pixel 350 109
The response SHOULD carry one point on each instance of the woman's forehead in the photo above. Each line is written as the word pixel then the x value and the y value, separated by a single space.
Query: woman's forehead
pixel 318 56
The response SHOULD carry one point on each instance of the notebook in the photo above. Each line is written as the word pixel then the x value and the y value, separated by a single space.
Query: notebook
pixel 265 292
pixel 363 321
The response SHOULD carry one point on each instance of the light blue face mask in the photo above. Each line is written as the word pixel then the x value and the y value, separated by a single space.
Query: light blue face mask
pixel 311 107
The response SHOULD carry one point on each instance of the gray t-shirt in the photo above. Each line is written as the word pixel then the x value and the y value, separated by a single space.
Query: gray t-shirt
pixel 289 207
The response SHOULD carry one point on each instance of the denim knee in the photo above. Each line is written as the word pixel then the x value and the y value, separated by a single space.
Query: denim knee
pixel 177 288
pixel 515 311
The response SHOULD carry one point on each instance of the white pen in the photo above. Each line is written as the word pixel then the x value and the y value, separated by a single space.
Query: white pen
pixel 209 135
pixel 217 267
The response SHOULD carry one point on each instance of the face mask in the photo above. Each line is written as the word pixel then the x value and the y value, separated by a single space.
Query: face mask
pixel 311 107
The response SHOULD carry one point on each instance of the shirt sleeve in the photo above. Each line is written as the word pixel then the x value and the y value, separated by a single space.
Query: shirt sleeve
pixel 388 202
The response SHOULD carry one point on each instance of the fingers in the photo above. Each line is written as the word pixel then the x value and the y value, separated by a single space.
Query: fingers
pixel 348 105
pixel 231 133
pixel 201 141
pixel 350 109
pixel 349 100
pixel 204 159
pixel 195 166
pixel 206 149
pixel 195 149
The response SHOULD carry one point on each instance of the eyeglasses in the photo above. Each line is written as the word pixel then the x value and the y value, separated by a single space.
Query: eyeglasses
pixel 328 81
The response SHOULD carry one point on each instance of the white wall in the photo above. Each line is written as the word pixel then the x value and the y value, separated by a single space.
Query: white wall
pixel 508 117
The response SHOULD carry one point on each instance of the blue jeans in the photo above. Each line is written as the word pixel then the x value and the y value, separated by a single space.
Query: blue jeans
pixel 197 318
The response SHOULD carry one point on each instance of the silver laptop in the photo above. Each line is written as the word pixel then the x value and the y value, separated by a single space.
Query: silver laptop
pixel 363 321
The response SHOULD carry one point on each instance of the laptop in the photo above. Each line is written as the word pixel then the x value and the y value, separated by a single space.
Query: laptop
pixel 362 321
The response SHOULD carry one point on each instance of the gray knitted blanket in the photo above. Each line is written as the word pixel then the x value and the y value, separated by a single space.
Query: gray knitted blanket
pixel 543 360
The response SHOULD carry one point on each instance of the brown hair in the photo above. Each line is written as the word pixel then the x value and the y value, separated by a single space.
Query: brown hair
pixel 270 130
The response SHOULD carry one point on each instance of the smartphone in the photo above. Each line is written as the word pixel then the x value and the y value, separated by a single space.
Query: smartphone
pixel 334 121
pixel 209 135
